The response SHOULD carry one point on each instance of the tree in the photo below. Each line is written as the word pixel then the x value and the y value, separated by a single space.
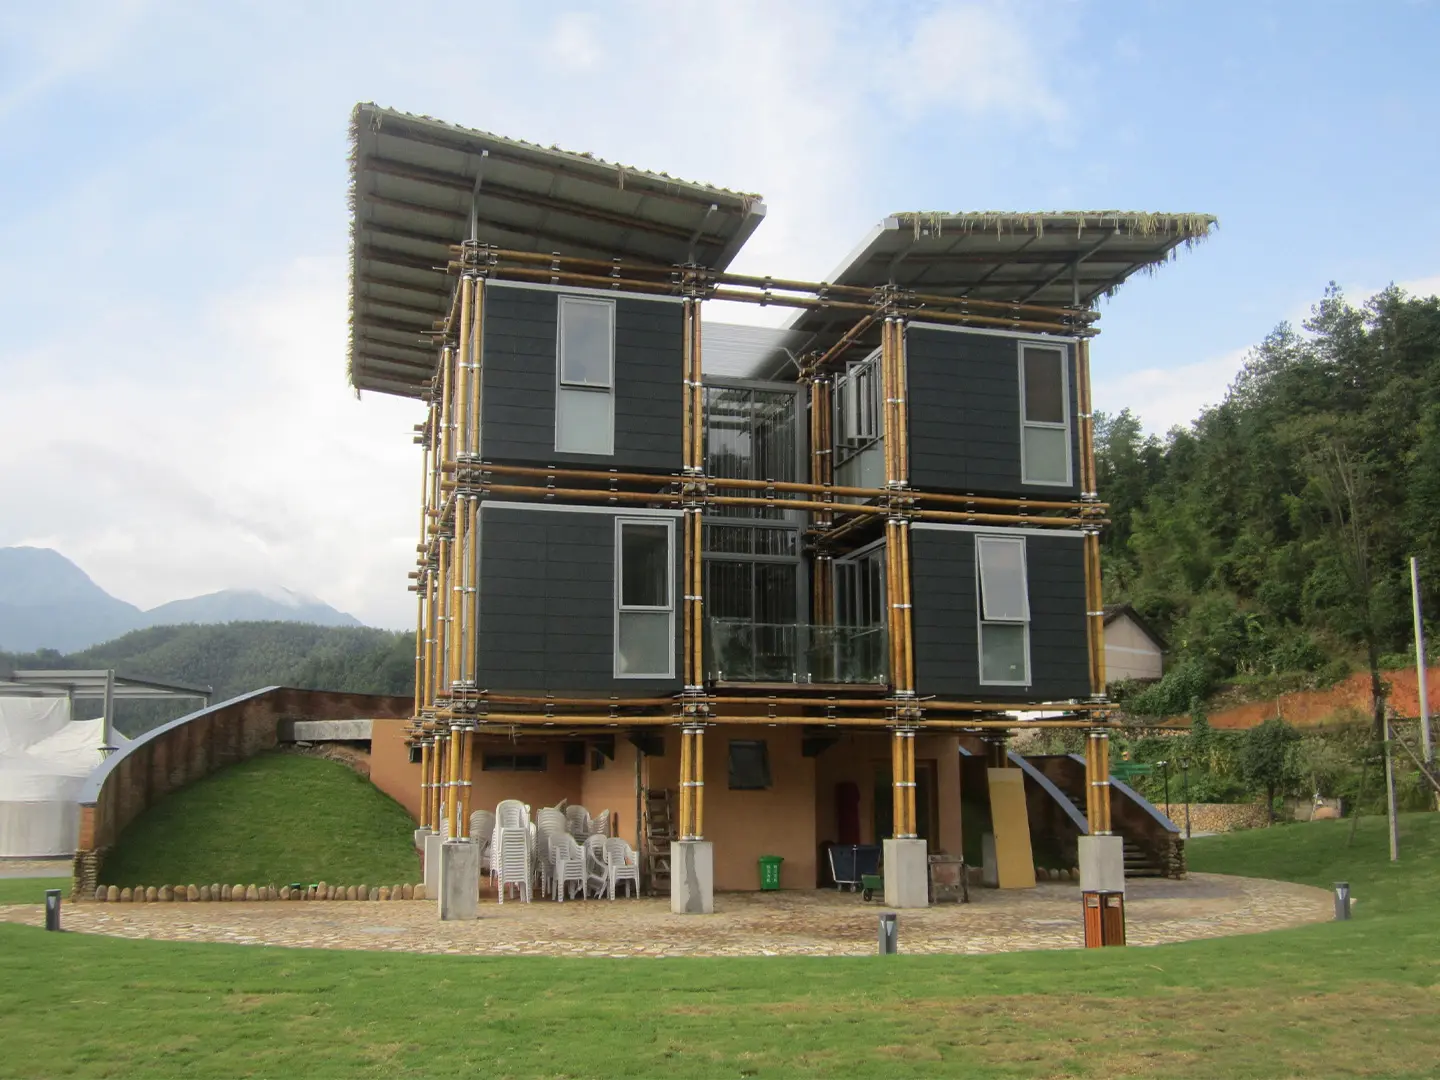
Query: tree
pixel 1267 759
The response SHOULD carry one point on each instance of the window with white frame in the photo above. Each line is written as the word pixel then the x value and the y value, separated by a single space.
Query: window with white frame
pixel 585 376
pixel 1004 608
pixel 1044 415
pixel 858 420
pixel 644 598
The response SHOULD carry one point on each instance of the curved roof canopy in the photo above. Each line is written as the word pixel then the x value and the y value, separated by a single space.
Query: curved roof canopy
pixel 419 186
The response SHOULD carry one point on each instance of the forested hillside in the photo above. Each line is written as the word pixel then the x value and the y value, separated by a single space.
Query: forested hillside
pixel 238 657
pixel 1273 535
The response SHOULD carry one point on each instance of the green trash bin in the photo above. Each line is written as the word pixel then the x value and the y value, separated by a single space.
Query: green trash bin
pixel 770 872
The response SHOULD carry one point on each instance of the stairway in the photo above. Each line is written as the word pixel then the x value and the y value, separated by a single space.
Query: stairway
pixel 1138 861
pixel 659 831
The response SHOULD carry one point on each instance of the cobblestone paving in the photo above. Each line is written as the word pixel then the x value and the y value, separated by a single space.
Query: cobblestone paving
pixel 744 924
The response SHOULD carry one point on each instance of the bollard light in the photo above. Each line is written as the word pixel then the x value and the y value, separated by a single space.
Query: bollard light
pixel 1342 901
pixel 889 934
pixel 52 909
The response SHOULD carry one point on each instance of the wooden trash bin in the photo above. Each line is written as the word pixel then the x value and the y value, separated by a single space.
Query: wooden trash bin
pixel 1104 918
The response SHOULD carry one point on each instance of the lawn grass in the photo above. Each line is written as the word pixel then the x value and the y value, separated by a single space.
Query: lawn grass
pixel 1332 999
pixel 276 818
pixel 31 890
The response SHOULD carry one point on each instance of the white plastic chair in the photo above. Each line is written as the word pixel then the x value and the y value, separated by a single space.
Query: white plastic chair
pixel 597 874
pixel 511 814
pixel 622 864
pixel 511 863
pixel 600 824
pixel 577 819
pixel 569 866
pixel 547 836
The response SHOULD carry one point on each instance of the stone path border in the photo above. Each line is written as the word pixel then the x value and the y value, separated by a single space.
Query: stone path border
pixel 744 924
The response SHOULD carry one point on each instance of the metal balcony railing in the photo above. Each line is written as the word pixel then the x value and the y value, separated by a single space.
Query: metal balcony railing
pixel 744 651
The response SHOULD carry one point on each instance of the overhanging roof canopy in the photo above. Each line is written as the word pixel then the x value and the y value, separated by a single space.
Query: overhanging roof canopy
pixel 418 184
pixel 91 684
pixel 1063 258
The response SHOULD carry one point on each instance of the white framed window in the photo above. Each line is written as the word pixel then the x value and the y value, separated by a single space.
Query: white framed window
pixel 644 598
pixel 585 376
pixel 857 404
pixel 1044 414
pixel 1003 607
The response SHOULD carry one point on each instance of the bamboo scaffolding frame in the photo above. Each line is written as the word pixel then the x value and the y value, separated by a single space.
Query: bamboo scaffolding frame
pixel 506 721
pixel 787 486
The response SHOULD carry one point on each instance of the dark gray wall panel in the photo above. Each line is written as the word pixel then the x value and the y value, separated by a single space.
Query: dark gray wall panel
pixel 518 373
pixel 964 401
pixel 547 594
pixel 947 658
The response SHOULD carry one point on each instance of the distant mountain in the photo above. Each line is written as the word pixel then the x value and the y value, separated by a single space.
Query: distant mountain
pixel 249 605
pixel 47 602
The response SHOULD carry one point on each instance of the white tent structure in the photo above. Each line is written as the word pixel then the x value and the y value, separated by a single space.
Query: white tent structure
pixel 44 759
pixel 45 756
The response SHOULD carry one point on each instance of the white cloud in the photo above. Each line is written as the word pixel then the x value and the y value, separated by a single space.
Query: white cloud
pixel 1166 397
pixel 191 430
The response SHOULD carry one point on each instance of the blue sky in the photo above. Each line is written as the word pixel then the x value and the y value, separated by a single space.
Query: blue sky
pixel 173 222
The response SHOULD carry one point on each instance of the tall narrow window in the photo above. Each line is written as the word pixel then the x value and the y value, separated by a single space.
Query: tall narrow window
pixel 644 599
pixel 1004 602
pixel 585 383
pixel 1044 415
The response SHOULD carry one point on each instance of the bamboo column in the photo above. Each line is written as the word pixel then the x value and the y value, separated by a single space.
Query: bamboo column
pixel 457 596
pixel 461 402
pixel 697 759
pixel 902 767
pixel 477 359
pixel 467 757
pixel 1097 782
pixel 425 782
pixel 452 786
pixel 1087 421
pixel 1095 612
pixel 438 767
pixel 447 455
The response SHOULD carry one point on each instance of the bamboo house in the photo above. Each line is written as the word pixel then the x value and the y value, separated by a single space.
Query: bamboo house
pixel 761 590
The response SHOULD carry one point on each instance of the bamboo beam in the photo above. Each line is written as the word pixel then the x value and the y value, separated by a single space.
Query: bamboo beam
pixel 850 337
pixel 870 701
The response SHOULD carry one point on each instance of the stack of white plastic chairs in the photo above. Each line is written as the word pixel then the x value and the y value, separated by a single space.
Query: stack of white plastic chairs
pixel 550 825
pixel 621 864
pixel 482 832
pixel 568 867
pixel 577 819
pixel 510 857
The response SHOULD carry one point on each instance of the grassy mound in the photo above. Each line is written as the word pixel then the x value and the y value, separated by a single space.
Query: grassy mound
pixel 275 818
pixel 1330 999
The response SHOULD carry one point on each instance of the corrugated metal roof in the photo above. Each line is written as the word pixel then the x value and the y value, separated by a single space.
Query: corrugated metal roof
pixel 413 179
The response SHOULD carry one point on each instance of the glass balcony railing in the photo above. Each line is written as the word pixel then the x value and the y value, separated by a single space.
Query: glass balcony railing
pixel 744 651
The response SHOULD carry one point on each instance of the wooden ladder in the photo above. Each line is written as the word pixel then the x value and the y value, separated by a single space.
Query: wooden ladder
pixel 659 831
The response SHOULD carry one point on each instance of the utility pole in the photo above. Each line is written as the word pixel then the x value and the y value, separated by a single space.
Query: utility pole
pixel 1427 751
